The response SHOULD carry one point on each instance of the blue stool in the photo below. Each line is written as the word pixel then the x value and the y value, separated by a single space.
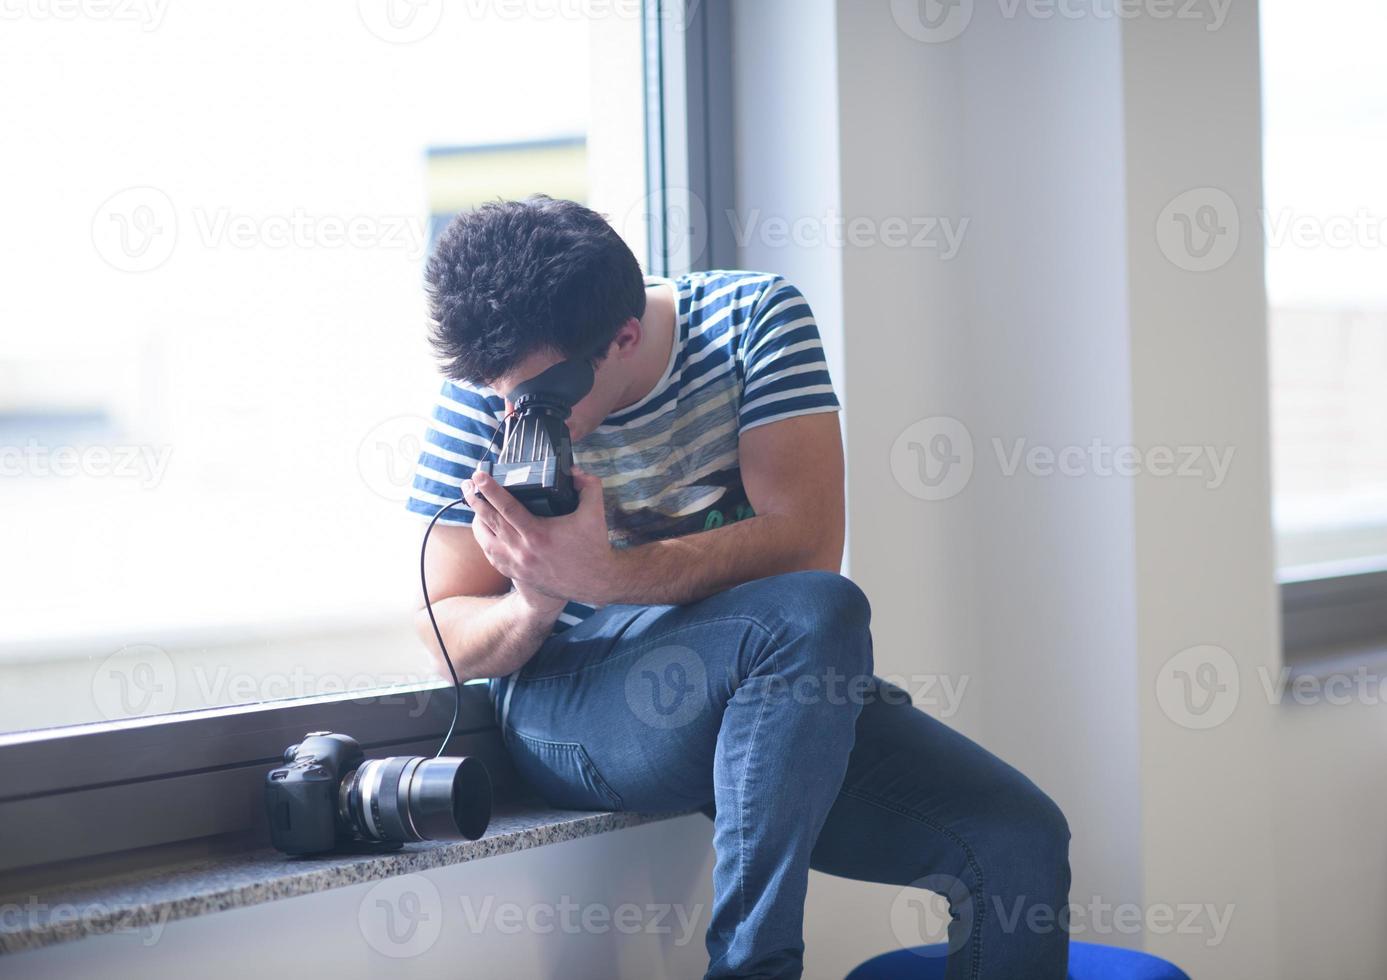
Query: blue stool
pixel 1086 962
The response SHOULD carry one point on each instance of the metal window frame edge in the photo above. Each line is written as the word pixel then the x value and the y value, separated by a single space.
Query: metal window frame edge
pixel 689 135
pixel 1333 612
pixel 97 789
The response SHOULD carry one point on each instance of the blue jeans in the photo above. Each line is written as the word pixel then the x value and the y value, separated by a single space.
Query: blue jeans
pixel 758 705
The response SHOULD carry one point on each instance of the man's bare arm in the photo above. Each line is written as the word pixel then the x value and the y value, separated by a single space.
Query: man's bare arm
pixel 488 630
pixel 793 474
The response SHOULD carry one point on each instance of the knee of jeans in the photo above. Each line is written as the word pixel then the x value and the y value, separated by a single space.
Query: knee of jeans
pixel 1031 844
pixel 832 607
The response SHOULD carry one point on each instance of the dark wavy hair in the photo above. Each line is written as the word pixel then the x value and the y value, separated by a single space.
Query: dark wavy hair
pixel 514 277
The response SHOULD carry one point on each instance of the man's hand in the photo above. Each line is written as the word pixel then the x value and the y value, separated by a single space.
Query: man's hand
pixel 567 557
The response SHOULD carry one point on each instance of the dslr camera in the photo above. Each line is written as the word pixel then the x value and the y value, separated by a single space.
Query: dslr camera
pixel 328 796
pixel 535 463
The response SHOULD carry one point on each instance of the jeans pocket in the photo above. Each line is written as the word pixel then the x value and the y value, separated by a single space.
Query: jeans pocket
pixel 561 772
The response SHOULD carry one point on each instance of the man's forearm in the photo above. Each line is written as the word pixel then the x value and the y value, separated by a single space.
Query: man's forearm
pixel 489 636
pixel 692 567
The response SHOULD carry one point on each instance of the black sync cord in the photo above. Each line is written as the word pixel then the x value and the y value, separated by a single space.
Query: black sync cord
pixel 428 604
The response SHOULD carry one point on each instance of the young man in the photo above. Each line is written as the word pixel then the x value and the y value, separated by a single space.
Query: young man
pixel 684 640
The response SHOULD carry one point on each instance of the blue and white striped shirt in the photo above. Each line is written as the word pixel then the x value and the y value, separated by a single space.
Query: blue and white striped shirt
pixel 747 353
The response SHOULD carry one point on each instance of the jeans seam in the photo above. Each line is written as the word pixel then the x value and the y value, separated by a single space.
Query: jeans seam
pixel 741 802
pixel 976 965
pixel 583 761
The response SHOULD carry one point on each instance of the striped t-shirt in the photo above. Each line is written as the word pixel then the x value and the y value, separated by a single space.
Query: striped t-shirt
pixel 747 353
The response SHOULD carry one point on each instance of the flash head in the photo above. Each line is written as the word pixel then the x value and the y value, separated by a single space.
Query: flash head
pixel 535 463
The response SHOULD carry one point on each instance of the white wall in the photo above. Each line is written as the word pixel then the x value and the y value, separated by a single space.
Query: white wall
pixel 1062 599
pixel 1277 811
pixel 1019 588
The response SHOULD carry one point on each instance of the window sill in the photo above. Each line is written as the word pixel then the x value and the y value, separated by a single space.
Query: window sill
pixel 181 889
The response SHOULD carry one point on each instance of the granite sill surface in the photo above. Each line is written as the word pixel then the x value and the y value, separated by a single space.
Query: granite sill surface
pixel 77 908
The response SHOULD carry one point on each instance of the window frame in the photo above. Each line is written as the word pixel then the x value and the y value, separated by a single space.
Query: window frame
pixel 79 792
pixel 689 157
pixel 1329 611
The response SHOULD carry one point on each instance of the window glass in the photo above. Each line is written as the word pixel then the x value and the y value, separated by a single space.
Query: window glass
pixel 1325 220
pixel 214 371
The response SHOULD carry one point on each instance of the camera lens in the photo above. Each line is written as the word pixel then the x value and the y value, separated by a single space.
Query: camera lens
pixel 413 798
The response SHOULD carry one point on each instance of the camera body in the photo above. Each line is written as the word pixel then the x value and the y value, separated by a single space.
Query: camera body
pixel 536 459
pixel 328 796
pixel 301 797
